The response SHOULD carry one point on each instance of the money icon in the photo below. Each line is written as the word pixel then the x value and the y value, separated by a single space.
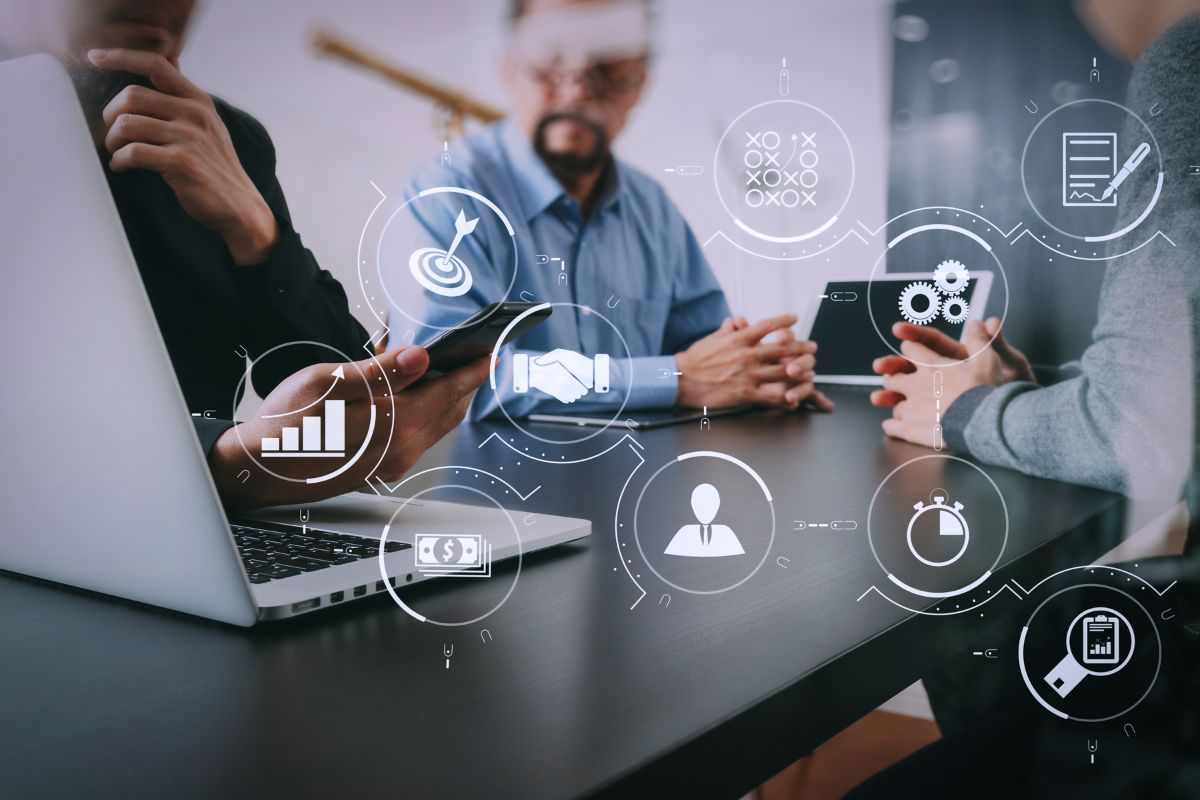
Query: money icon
pixel 463 555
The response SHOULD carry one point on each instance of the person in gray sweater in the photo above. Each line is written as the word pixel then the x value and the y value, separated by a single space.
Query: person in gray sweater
pixel 1122 418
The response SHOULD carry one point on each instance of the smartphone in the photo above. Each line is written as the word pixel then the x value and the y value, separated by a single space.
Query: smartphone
pixel 476 335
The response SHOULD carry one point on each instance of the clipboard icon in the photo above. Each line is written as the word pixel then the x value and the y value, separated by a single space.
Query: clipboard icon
pixel 1101 640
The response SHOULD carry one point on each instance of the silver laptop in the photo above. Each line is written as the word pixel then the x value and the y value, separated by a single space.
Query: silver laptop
pixel 105 486
pixel 848 331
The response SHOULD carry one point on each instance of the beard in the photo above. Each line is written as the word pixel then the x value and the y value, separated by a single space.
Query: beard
pixel 570 167
pixel 97 88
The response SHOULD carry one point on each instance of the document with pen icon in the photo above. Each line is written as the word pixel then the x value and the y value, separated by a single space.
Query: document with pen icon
pixel 1089 162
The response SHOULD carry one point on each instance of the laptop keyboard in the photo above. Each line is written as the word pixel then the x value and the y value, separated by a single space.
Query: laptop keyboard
pixel 270 552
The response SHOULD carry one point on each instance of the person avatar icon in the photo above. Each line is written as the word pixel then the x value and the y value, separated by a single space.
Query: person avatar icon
pixel 705 540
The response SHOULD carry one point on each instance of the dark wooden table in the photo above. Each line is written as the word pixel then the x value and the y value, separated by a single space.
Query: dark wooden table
pixel 575 694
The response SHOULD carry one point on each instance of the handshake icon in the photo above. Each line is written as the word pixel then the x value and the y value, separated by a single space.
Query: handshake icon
pixel 563 374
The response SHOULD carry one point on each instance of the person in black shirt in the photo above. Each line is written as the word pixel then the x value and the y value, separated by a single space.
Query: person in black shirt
pixel 194 181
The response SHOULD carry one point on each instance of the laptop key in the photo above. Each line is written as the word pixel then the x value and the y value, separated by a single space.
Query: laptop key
pixel 302 563
pixel 330 557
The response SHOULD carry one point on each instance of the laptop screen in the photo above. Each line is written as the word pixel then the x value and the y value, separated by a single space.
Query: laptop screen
pixel 847 341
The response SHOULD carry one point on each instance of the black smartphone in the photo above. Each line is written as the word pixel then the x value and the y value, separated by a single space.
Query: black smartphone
pixel 476 335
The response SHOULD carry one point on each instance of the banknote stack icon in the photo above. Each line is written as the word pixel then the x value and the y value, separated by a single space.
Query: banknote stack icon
pixel 459 556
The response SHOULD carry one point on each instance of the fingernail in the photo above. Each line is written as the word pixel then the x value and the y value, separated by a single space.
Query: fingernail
pixel 408 360
pixel 97 55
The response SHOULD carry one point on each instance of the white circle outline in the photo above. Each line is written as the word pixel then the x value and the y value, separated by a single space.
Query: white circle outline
pixel 766 236
pixel 1025 673
pixel 724 457
pixel 421 195
pixel 1003 543
pixel 370 427
pixel 387 584
pixel 921 229
pixel 1025 187
pixel 501 341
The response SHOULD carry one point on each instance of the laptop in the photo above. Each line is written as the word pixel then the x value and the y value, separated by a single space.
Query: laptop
pixel 105 485
pixel 849 342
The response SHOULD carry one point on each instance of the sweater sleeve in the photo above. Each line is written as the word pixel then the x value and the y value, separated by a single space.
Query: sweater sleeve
pixel 1123 418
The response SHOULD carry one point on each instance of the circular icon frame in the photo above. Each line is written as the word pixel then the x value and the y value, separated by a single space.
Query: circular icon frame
pixel 1114 234
pixel 750 230
pixel 383 539
pixel 502 340
pixel 722 457
pixel 424 254
pixel 370 426
pixel 1029 684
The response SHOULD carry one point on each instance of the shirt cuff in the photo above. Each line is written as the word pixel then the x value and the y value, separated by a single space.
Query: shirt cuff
pixel 652 381
pixel 287 272
pixel 209 430
pixel 958 416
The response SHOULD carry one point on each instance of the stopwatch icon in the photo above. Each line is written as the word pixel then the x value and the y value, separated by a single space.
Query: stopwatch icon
pixel 947 520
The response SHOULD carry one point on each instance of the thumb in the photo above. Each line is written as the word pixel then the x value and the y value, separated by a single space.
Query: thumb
pixel 999 343
pixel 552 357
pixel 389 373
pixel 977 337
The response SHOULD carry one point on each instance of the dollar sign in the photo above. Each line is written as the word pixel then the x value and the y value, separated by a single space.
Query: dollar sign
pixel 447 551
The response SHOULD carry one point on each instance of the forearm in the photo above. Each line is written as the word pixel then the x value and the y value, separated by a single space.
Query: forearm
pixel 1073 431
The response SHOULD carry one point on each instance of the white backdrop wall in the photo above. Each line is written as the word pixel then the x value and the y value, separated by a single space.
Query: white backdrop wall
pixel 336 128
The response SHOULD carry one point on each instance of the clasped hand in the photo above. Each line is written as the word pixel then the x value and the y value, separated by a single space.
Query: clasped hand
pixel 983 358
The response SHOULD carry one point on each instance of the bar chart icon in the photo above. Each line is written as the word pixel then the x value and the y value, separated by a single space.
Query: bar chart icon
pixel 316 437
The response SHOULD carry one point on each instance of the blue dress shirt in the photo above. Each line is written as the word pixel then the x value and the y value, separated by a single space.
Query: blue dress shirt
pixel 635 261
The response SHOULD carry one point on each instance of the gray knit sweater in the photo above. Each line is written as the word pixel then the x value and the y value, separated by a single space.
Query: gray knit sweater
pixel 1123 417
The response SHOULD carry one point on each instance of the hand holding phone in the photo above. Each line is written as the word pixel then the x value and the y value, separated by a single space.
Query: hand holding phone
pixel 476 336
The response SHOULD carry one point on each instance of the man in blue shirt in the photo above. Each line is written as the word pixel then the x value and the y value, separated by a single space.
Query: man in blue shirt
pixel 593 233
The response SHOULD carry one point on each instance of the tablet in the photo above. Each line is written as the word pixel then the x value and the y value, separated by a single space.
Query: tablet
pixel 843 330
pixel 641 420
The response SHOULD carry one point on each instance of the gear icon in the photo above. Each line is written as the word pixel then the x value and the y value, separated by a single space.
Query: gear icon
pixel 955 309
pixel 951 276
pixel 925 314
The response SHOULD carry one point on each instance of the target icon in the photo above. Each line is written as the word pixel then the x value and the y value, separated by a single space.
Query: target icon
pixel 441 271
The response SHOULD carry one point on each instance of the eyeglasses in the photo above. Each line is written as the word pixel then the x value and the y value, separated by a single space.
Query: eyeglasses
pixel 604 79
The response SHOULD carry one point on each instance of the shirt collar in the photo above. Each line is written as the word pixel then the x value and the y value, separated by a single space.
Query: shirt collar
pixel 536 186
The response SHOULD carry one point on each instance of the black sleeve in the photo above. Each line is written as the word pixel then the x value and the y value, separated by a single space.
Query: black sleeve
pixel 209 430
pixel 288 298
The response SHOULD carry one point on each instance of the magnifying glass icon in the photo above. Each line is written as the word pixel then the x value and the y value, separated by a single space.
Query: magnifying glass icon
pixel 1104 639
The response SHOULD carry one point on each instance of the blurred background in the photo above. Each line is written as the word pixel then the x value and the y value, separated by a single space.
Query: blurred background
pixel 931 94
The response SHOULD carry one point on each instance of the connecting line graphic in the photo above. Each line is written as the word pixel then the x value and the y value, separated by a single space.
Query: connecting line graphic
pixel 1092 567
pixel 1047 245
pixel 509 486
pixel 722 235
pixel 928 613
pixel 617 522
pixel 937 410
pixel 359 259
pixel 526 454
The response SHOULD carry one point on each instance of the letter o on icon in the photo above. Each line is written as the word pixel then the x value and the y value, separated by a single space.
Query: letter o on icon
pixel 770 140
pixel 754 198
pixel 792 194
pixel 808 179
pixel 767 177
pixel 808 159
pixel 754 156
